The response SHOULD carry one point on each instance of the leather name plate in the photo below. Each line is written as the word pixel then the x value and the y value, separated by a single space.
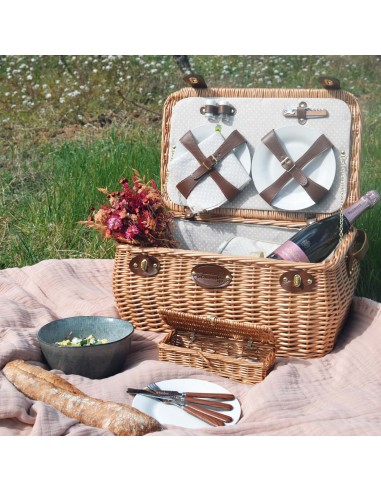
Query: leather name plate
pixel 211 276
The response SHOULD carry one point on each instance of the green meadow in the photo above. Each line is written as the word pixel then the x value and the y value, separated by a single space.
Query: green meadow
pixel 69 124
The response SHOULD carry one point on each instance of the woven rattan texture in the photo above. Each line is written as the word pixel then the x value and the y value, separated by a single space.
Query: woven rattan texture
pixel 245 215
pixel 240 351
pixel 304 324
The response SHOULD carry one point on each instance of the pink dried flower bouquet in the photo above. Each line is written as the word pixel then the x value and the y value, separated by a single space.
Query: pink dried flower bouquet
pixel 136 215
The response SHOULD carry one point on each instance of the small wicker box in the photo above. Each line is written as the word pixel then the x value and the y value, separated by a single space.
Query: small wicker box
pixel 241 351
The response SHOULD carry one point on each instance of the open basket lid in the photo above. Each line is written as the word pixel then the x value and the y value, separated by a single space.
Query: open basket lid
pixel 256 113
pixel 205 325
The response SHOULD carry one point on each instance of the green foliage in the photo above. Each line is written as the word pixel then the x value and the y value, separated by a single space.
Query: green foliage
pixel 69 124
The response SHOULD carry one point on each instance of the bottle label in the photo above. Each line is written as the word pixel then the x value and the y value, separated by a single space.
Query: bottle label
pixel 289 251
pixel 355 210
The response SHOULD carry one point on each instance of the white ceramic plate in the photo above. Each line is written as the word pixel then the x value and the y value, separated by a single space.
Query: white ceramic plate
pixel 266 168
pixel 170 414
pixel 200 133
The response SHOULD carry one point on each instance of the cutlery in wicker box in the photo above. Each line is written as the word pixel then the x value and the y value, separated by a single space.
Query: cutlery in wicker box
pixel 241 351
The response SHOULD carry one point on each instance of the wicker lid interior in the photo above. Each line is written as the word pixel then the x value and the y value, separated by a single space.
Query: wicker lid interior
pixel 220 327
pixel 273 215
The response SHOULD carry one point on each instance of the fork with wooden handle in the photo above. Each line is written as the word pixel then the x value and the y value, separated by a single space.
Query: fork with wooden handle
pixel 212 418
pixel 220 405
pixel 217 396
pixel 196 407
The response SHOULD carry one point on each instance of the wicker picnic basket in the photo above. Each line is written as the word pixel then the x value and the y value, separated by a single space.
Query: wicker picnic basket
pixel 306 319
pixel 240 351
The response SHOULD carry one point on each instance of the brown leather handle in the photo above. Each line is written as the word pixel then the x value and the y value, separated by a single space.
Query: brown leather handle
pixel 217 396
pixel 212 413
pixel 362 238
pixel 209 403
pixel 203 416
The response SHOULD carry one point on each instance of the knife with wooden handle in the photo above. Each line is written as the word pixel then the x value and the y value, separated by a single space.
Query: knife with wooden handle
pixel 207 403
pixel 181 399
pixel 226 418
pixel 212 418
pixel 216 396
pixel 215 422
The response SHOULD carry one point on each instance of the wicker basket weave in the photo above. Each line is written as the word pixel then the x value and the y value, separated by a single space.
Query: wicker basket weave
pixel 305 325
pixel 240 351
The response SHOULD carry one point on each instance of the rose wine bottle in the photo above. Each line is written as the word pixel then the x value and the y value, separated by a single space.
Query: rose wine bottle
pixel 316 241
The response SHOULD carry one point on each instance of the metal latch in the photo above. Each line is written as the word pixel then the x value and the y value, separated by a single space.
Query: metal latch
pixel 303 112
pixel 297 281
pixel 144 265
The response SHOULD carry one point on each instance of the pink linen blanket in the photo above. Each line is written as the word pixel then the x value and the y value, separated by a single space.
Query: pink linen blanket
pixel 339 394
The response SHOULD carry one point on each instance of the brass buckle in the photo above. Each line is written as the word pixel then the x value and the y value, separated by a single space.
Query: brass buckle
pixel 215 161
pixel 285 161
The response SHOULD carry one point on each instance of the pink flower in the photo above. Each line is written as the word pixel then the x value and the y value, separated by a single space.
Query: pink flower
pixel 131 232
pixel 114 222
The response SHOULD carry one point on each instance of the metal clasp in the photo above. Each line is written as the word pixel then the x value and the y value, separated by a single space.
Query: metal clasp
pixel 286 161
pixel 297 280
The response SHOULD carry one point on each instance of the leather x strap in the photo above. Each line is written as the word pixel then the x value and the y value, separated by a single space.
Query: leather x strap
pixel 207 164
pixel 293 170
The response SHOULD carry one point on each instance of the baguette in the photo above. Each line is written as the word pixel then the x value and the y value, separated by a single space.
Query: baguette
pixel 39 384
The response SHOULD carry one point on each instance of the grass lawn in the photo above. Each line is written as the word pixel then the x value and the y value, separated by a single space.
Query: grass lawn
pixel 71 123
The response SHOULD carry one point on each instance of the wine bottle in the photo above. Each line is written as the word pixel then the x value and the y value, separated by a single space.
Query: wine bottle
pixel 316 241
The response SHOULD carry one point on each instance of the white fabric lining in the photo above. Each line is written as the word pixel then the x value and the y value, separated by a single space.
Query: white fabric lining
pixel 254 118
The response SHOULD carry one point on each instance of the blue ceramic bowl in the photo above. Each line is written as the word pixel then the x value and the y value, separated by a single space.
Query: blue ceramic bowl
pixel 95 361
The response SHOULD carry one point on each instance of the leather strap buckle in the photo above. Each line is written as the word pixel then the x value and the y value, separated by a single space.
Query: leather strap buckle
pixel 313 189
pixel 207 164
pixel 287 162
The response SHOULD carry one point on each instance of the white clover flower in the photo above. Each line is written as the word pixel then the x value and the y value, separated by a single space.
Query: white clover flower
pixel 29 76
pixel 6 94
pixel 62 100
pixel 95 70
pixel 48 95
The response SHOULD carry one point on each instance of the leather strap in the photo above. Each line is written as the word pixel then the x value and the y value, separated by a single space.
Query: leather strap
pixel 294 169
pixel 207 164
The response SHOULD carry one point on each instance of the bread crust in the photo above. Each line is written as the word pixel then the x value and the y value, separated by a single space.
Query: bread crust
pixel 39 384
